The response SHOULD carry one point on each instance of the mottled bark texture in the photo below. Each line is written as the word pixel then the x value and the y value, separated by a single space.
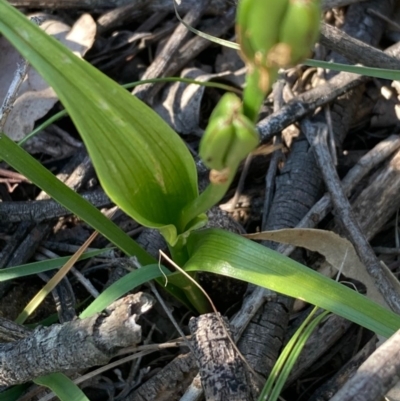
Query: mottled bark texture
pixel 75 345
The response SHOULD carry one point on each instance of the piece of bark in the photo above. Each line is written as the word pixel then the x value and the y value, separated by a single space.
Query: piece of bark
pixel 148 91
pixel 157 5
pixel 168 384
pixel 381 198
pixel 74 345
pixel 217 27
pixel 306 103
pixel 263 338
pixel 356 51
pixel 44 210
pixel 332 386
pixel 298 187
pixel 386 286
pixel 298 195
pixel 222 371
pixel 10 331
pixel 376 376
pixel 151 5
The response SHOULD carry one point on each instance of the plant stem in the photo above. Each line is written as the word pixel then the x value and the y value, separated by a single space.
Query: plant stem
pixel 258 85
pixel 214 192
pixel 195 296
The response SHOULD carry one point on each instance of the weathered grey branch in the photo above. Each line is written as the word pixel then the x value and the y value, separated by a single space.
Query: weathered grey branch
pixel 223 374
pixel 10 331
pixel 363 167
pixel 309 101
pixel 355 50
pixel 333 385
pixel 74 345
pixel 376 376
pixel 165 4
pixel 316 136
pixel 151 5
pixel 44 210
pixel 328 4
pixel 157 68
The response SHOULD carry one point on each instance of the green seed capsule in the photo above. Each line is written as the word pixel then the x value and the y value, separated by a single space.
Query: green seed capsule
pixel 246 140
pixel 257 28
pixel 229 137
pixel 299 30
pixel 216 142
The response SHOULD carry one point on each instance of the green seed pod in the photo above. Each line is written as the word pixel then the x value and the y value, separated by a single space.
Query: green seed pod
pixel 299 31
pixel 216 142
pixel 246 140
pixel 229 137
pixel 257 28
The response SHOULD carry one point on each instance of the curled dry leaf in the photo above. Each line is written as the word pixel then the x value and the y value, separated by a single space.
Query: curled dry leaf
pixel 338 252
pixel 35 97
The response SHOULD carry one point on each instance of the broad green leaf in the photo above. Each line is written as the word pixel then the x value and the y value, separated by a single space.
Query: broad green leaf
pixel 142 164
pixel 35 172
pixel 62 386
pixel 224 253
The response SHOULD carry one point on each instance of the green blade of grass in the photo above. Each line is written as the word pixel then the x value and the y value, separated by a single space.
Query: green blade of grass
pixel 62 386
pixel 392 75
pixel 123 286
pixel 29 269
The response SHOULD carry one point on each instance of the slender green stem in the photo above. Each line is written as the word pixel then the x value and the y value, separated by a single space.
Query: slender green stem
pixel 207 199
pixel 193 293
pixel 211 84
pixel 290 353
pixel 44 125
pixel 258 85
pixel 179 254
pixel 294 356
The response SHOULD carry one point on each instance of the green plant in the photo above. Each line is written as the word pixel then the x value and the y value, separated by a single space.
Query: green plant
pixel 148 172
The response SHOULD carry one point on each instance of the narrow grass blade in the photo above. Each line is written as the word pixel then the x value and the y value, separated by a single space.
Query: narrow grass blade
pixel 392 75
pixel 29 269
pixel 123 286
pixel 53 282
pixel 62 386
